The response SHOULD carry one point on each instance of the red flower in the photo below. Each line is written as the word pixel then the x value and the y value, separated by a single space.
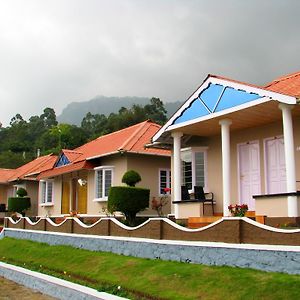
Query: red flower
pixel 166 190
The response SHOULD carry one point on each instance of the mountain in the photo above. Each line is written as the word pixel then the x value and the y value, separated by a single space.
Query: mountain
pixel 74 112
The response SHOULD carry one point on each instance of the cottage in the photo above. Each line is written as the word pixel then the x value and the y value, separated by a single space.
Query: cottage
pixel 80 179
pixel 26 177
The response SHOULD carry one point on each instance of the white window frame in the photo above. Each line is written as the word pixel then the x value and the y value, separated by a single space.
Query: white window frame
pixel 103 169
pixel 193 151
pixel 43 202
pixel 169 180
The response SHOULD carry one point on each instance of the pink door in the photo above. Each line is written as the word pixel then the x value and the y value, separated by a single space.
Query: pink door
pixel 275 166
pixel 249 173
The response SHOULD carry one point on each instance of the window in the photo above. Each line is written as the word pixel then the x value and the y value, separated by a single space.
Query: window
pixel 193 167
pixel 46 192
pixel 164 180
pixel 63 160
pixel 103 178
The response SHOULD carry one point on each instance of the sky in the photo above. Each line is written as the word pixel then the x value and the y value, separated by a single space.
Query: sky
pixel 54 52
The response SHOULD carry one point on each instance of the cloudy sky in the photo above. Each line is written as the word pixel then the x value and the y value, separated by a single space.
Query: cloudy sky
pixel 53 52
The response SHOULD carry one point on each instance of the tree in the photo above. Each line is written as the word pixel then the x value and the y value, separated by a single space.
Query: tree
pixel 156 111
pixel 49 117
pixel 131 178
pixel 17 120
pixel 128 199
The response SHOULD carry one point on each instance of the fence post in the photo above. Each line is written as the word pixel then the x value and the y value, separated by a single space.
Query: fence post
pixel 72 225
pixel 108 227
pixel 161 229
pixel 45 224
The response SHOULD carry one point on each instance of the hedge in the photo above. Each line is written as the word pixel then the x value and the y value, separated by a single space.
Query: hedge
pixel 128 200
pixel 18 204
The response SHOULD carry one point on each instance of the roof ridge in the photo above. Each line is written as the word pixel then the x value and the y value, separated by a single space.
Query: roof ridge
pixel 108 134
pixel 233 80
pixel 45 158
pixel 118 131
pixel 144 131
pixel 140 127
pixel 282 78
pixel 69 150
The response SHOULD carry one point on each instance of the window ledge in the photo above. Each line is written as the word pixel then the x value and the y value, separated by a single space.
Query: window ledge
pixel 100 200
pixel 47 204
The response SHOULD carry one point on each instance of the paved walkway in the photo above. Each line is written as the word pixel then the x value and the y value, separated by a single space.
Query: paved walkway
pixel 10 290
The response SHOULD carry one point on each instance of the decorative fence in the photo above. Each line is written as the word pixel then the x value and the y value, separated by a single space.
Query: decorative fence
pixel 226 230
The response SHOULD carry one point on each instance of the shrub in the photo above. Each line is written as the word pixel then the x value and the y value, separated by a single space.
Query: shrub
pixel 131 178
pixel 18 204
pixel 21 192
pixel 128 200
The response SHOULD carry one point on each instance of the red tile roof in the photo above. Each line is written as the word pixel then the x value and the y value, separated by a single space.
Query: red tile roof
pixel 71 154
pixel 82 165
pixel 235 81
pixel 288 85
pixel 5 174
pixel 131 139
pixel 33 168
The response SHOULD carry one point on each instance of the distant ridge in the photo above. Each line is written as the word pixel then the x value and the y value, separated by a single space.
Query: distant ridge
pixel 74 112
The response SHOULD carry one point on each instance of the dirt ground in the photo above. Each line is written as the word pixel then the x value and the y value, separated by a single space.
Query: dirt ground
pixel 13 291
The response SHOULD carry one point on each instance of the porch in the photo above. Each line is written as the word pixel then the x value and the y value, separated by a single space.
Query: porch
pixel 242 146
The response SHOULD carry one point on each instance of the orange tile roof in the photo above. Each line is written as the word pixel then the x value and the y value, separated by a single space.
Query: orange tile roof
pixel 82 165
pixel 71 154
pixel 5 174
pixel 131 139
pixel 233 80
pixel 288 85
pixel 34 167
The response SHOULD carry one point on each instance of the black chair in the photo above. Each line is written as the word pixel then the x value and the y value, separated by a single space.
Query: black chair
pixel 2 207
pixel 204 197
pixel 185 193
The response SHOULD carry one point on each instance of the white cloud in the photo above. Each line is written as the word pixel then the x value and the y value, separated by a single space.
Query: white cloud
pixel 54 52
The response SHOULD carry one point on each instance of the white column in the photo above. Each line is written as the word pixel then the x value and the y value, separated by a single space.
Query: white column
pixel 176 169
pixel 289 151
pixel 225 136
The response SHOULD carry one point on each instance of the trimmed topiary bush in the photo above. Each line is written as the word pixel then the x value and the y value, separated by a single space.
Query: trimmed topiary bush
pixel 128 200
pixel 18 204
pixel 131 178
pixel 21 192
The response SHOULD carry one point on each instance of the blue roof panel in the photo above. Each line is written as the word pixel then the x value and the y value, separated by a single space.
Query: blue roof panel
pixel 196 110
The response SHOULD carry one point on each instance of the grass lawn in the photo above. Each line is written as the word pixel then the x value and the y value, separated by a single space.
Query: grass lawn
pixel 149 279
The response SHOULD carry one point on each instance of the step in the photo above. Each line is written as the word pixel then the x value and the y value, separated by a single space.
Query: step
pixel 197 222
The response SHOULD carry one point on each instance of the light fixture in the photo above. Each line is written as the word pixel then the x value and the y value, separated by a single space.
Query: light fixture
pixel 82 182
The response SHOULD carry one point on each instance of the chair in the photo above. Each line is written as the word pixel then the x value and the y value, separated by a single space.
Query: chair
pixel 2 207
pixel 185 193
pixel 204 197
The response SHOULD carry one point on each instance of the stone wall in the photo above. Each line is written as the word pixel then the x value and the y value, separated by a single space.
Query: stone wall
pixel 262 257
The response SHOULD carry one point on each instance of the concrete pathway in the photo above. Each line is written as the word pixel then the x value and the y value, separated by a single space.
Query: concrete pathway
pixel 12 291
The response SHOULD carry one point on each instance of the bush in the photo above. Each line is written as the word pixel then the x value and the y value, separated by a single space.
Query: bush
pixel 21 192
pixel 18 204
pixel 128 200
pixel 131 178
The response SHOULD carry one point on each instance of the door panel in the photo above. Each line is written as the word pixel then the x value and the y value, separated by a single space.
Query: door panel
pixel 275 166
pixel 82 199
pixel 249 172
pixel 65 202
